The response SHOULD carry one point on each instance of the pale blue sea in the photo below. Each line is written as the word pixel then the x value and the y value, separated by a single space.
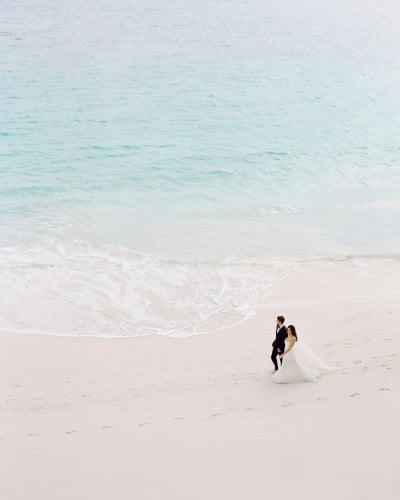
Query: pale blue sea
pixel 165 160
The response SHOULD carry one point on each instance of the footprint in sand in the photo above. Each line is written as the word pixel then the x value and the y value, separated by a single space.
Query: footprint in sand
pixel 354 394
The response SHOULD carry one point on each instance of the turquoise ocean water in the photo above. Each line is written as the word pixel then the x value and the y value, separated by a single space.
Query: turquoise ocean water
pixel 163 161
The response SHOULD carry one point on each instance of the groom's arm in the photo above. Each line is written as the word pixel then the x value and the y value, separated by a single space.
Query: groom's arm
pixel 280 340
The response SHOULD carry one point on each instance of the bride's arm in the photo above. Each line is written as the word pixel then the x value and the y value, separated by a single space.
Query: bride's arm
pixel 291 344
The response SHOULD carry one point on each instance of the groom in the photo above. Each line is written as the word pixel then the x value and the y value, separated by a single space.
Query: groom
pixel 278 345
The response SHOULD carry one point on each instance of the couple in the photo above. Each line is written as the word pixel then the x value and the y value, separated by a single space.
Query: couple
pixel 298 363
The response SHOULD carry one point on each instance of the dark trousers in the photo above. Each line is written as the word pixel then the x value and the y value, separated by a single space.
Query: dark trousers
pixel 274 357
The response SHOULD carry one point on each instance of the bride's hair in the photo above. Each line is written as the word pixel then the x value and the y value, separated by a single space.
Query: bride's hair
pixel 292 328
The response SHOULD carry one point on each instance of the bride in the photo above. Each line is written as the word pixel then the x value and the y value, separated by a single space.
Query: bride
pixel 299 362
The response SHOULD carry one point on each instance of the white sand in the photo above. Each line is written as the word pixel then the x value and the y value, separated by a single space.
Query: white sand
pixel 199 418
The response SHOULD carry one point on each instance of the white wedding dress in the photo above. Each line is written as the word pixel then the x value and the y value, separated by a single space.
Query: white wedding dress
pixel 300 364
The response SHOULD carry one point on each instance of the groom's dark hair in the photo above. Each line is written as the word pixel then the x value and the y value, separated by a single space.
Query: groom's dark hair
pixel 281 319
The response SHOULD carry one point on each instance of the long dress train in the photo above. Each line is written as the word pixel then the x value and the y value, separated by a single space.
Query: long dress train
pixel 300 364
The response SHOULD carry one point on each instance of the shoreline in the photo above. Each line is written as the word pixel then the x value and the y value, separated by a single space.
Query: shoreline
pixel 381 268
pixel 199 417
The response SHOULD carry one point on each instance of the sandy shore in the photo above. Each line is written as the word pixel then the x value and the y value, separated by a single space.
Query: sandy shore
pixel 198 418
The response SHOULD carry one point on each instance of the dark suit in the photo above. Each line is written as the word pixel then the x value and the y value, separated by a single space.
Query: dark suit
pixel 278 345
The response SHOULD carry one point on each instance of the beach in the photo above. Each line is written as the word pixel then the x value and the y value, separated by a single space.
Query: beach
pixel 174 176
pixel 175 418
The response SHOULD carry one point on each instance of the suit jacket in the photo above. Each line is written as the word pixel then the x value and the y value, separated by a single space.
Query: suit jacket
pixel 279 342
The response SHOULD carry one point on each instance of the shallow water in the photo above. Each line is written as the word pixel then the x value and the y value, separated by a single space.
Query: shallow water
pixel 163 161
